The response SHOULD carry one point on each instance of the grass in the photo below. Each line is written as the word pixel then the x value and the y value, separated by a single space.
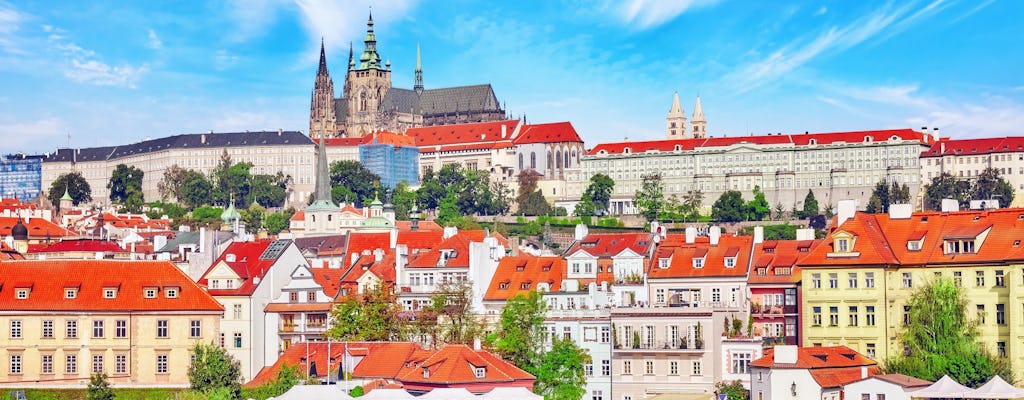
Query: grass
pixel 75 394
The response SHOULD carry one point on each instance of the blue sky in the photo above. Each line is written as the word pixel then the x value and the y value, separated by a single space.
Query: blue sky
pixel 114 72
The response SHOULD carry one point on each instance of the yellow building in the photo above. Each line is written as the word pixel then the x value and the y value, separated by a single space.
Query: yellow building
pixel 136 321
pixel 856 285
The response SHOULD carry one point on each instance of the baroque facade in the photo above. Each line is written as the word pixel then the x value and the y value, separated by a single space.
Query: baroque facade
pixel 369 103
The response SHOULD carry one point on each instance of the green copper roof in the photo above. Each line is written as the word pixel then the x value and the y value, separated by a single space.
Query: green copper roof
pixel 322 205
pixel 66 196
pixel 230 214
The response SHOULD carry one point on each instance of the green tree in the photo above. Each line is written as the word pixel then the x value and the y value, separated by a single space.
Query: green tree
pixel 886 194
pixel 535 204
pixel 943 340
pixel 452 304
pixel 356 391
pixel 431 191
pixel 75 184
pixel 371 316
pixel 354 176
pixel 651 197
pixel 213 369
pixel 170 185
pixel 520 338
pixel 599 191
pixel 122 180
pixel 196 189
pixel 448 211
pixel 527 185
pixel 560 374
pixel 692 203
pixel 990 185
pixel 253 218
pixel 402 198
pixel 270 190
pixel 133 203
pixel 277 222
pixel 780 212
pixel 945 186
pixel 810 205
pixel 729 207
pixel 732 390
pixel 758 208
pixel 99 388
pixel 585 207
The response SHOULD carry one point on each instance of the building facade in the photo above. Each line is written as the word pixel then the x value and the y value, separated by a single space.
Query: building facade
pixel 21 176
pixel 967 158
pixel 135 321
pixel 393 157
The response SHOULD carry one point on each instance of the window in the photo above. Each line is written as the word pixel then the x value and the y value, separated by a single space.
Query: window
pixel 238 340
pixel 870 350
pixel 120 364
pixel 697 368
pixel 833 316
pixel 816 281
pixel 15 364
pixel 816 316
pixel 47 364
pixel 716 295
pixel 71 329
pixel 161 363
pixel 21 293
pixel 833 281
pixel 880 396
pixel 730 262
pixel 71 364
pixel 606 334
pixel 150 293
pixel 597 395
pixel 842 245
pixel 979 278
pixel 659 296
pixel 698 263
pixel 236 311
pixel 195 328
pixel 869 316
pixel 161 328
pixel 70 293
pixel 1000 278
pixel 981 313
pixel 606 367
pixel 627 367
pixel 97 328
pixel 567 333
pixel 222 340
pixel 908 280
pixel 852 280
pixel 109 293
pixel 1001 349
pixel 741 363
pixel 311 296
pixel 1001 314
pixel 97 363
pixel 958 278
pixel 649 368
pixel 293 297
pixel 906 315
pixel 171 292
pixel 16 329
pixel 854 315
pixel 869 280
pixel 121 329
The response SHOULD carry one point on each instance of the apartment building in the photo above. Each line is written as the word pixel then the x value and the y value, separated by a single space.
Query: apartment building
pixel 967 158
pixel 774 284
pixel 136 321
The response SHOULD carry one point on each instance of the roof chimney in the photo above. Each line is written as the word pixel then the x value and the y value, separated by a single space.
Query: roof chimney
pixel 280 131
pixel 935 134
pixel 758 234
pixel 950 205
pixel 900 211
pixel 786 354
pixel 691 234
pixel 845 210
pixel 202 139
pixel 714 234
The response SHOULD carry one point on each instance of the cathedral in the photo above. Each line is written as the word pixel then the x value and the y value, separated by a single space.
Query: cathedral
pixel 675 122
pixel 369 103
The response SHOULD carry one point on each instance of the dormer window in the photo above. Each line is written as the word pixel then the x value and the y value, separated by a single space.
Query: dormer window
pixel 21 293
pixel 698 262
pixel 171 292
pixel 480 372
pixel 663 263
pixel 914 245
pixel 426 372
pixel 783 271
pixel 110 293
pixel 730 262
pixel 762 271
pixel 504 285
pixel 150 292
pixel 842 245
pixel 958 246
pixel 813 142
pixel 524 285
pixel 70 293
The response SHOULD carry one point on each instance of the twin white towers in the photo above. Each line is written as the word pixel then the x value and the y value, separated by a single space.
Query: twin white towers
pixel 675 122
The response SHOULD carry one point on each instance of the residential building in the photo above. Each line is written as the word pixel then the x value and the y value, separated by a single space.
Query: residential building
pixel 136 321
pixel 369 103
pixel 843 165
pixel 857 282
pixel 288 152
pixel 884 387
pixel 791 372
pixel 78 249
pixel 244 279
pixel 774 284
pixel 300 313
pixel 967 158
pixel 21 176
pixel 468 256
pixel 616 260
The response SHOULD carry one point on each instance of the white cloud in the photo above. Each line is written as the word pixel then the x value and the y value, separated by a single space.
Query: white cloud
pixel 100 74
pixel 252 17
pixel 10 19
pixel 338 22
pixel 821 11
pixel 154 41
pixel 26 135
pixel 645 14
pixel 223 60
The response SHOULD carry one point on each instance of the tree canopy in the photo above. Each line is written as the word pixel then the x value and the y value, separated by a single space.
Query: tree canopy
pixel 126 186
pixel 886 194
pixel 650 199
pixel 76 186
pixel 810 205
pixel 946 186
pixel 370 316
pixel 729 207
pixel 990 185
pixel 560 374
pixel 357 178
pixel 599 191
pixel 520 338
pixel 758 208
pixel 213 369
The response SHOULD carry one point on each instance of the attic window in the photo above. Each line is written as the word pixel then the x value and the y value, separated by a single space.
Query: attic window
pixel 783 271
pixel 110 293
pixel 730 262
pixel 813 142
pixel 1016 243
pixel 504 285
pixel 867 139
pixel 698 262
pixel 1020 217
pixel 679 148
pixel 762 271
pixel 70 293
pixel 953 246
pixel 546 267
pixel 914 245
pixel 150 292
pixel 524 285
pixel 21 293
pixel 627 150
pixel 426 372
pixel 480 372
pixel 171 292
pixel 521 266
pixel 663 263
pixel 977 217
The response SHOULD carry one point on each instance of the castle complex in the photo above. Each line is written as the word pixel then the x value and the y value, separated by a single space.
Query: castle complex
pixel 369 103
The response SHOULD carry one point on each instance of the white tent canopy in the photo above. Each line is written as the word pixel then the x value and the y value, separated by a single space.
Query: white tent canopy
pixel 387 394
pixel 448 394
pixel 314 392
pixel 945 388
pixel 510 393
pixel 997 388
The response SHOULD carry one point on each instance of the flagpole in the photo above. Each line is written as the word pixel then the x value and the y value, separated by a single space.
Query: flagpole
pixel 328 350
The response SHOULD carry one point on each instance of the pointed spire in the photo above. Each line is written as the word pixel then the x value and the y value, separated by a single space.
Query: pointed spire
pixel 351 61
pixel 698 111
pixel 322 191
pixel 66 196
pixel 323 59
pixel 676 120
pixel 699 126
pixel 418 85
pixel 370 59
pixel 676 108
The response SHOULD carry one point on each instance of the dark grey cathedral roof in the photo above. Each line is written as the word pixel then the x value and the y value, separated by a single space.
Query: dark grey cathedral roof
pixel 459 99
pixel 401 100
pixel 341 109
pixel 196 140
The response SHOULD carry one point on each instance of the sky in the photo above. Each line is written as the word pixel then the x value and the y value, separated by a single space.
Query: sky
pixel 98 73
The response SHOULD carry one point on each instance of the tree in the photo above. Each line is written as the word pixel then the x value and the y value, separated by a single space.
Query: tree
pixel 946 186
pixel 599 191
pixel 123 180
pixel 560 374
pixel 196 189
pixel 253 217
pixel 213 369
pixel 270 190
pixel 535 204
pixel 758 208
pixel 452 304
pixel 520 338
pixel 886 194
pixel 99 388
pixel 277 222
pixel 527 185
pixel 585 207
pixel 403 199
pixel 371 316
pixel 431 191
pixel 780 211
pixel 234 184
pixel 651 197
pixel 817 222
pixel 448 211
pixel 285 378
pixel 732 390
pixel 75 184
pixel 354 176
pixel 729 207
pixel 810 205
pixel 692 203
pixel 170 185
pixel 942 340
pixel 990 185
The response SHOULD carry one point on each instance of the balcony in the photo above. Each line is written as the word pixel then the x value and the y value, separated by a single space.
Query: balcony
pixel 677 346
pixel 770 311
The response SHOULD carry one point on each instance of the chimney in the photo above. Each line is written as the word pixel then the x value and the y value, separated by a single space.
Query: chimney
pixel 758 234
pixel 401 258
pixel 449 231
pixel 691 234
pixel 900 211
pixel 393 236
pixel 942 148
pixel 863 372
pixel 202 138
pixel 845 210
pixel 378 254
pixel 581 232
pixel 280 131
pixel 714 234
pixel 950 205
pixel 805 234
pixel 354 257
pixel 786 354
pixel 504 131
pixel 230 257
pixel 476 344
pixel 202 240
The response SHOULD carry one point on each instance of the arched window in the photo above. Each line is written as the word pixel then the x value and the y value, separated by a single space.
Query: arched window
pixel 362 101
pixel 533 160
pixel 567 159
pixel 520 161
pixel 550 162
pixel 558 158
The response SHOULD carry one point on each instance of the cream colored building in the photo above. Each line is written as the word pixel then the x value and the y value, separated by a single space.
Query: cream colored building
pixel 967 158
pixel 136 321
pixel 844 165
pixel 288 152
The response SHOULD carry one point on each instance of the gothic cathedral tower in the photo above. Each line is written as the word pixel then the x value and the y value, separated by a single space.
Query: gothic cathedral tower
pixel 322 118
pixel 699 125
pixel 365 87
pixel 675 122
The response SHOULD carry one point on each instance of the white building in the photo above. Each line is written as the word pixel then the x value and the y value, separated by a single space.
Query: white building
pixel 790 372
pixel 884 387
pixel 967 158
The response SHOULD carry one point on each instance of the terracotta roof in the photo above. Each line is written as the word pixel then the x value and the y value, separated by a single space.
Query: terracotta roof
pixel 682 255
pixel 332 142
pixel 299 215
pixel 869 246
pixel 839 377
pixel 383 359
pixel 459 243
pixel 385 137
pixel 37 227
pixel 967 147
pixel 7 253
pixel 420 239
pixel 49 278
pixel 85 245
pixel 795 140
pixel 775 256
pixel 556 132
pixel 902 380
pixel 481 132
pixel 455 364
pixel 422 226
pixel 360 241
pixel 611 244
pixel 329 279
pixel 817 358
pixel 248 265
pixel 513 273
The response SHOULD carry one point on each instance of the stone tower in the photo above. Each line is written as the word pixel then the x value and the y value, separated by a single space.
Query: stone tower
pixel 322 118
pixel 699 126
pixel 365 87
pixel 675 122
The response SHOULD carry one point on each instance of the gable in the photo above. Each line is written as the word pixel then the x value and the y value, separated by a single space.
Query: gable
pixel 222 271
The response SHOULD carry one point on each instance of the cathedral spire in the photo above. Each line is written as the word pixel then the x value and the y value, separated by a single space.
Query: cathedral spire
pixel 370 59
pixel 322 192
pixel 323 59
pixel 418 85
pixel 698 123
pixel 351 61
pixel 675 122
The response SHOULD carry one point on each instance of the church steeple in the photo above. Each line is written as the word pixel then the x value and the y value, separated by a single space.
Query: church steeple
pixel 323 60
pixel 699 125
pixel 351 61
pixel 322 191
pixel 370 59
pixel 418 85
pixel 322 117
pixel 675 122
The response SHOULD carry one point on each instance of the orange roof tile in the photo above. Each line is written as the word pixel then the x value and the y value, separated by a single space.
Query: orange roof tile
pixel 775 261
pixel 795 140
pixel 521 274
pixel 462 134
pixel 385 137
pixel 360 241
pixel 965 147
pixel 85 245
pixel 556 132
pixel 456 363
pixel 329 279
pixel 682 255
pixel 49 278
pixel 38 228
pixel 611 244
pixel 817 358
pixel 247 265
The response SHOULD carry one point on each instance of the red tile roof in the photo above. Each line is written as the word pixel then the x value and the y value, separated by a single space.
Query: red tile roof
pixel 360 241
pixel 839 377
pixel 394 139
pixel 48 279
pixel 513 273
pixel 774 257
pixel 38 228
pixel 461 134
pixel 611 244
pixel 247 265
pixel 817 357
pixel 456 364
pixel 85 245
pixel 966 147
pixel 332 142
pixel 7 253
pixel 329 279
pixel 869 248
pixel 682 255
pixel 795 139
pixel 556 132
pixel 299 215
pixel 422 226
pixel 383 359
